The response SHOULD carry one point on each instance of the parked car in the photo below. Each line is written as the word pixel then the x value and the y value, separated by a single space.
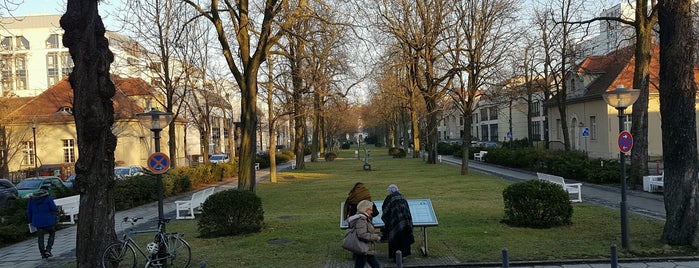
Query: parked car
pixel 69 181
pixel 8 192
pixel 128 171
pixel 31 185
pixel 219 158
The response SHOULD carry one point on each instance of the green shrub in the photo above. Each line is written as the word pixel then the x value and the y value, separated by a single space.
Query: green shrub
pixel 231 212
pixel 536 204
pixel 330 156
pixel 135 191
pixel 13 222
pixel 345 146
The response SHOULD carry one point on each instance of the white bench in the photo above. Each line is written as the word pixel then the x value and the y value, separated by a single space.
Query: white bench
pixel 70 206
pixel 293 164
pixel 571 188
pixel 195 202
pixel 479 156
pixel 257 166
pixel 653 183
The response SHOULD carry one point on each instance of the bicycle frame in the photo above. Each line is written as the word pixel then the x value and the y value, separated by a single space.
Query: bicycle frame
pixel 127 239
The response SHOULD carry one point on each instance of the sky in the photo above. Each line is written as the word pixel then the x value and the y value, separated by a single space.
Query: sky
pixel 48 7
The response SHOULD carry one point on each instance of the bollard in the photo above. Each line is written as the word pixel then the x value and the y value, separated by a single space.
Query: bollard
pixel 614 263
pixel 505 259
pixel 202 264
pixel 399 259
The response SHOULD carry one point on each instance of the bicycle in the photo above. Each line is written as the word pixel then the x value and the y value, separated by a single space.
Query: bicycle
pixel 166 250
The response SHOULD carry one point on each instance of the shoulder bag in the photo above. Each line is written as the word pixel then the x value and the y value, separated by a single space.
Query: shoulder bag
pixel 352 243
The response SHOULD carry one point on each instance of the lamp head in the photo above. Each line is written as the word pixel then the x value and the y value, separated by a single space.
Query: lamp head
pixel 621 97
pixel 155 120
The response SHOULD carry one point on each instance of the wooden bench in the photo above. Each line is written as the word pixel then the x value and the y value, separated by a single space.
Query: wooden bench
pixel 479 155
pixel 193 203
pixel 653 183
pixel 70 206
pixel 571 188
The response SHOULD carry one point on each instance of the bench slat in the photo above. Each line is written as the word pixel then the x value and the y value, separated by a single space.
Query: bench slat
pixel 571 188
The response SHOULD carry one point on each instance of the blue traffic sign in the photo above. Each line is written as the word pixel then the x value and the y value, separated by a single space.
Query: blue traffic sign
pixel 158 163
pixel 586 132
pixel 625 142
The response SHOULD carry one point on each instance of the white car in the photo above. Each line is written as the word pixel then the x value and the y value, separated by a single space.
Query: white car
pixel 219 158
pixel 123 172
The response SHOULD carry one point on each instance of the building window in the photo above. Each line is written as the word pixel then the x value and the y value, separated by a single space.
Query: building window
pixel 535 108
pixel 494 132
pixel 536 130
pixel 6 72
pixel 28 153
pixel 558 129
pixel 69 151
pixel 21 72
pixel 52 68
pixel 6 43
pixel 484 133
pixel 52 41
pixel 593 127
pixel 67 64
pixel 22 43
pixel 493 113
pixel 484 114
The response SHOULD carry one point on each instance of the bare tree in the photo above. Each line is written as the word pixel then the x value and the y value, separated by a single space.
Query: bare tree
pixel 251 52
pixel 678 116
pixel 482 38
pixel 94 117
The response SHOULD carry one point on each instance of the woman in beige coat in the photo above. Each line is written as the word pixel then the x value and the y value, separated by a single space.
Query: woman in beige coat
pixel 361 222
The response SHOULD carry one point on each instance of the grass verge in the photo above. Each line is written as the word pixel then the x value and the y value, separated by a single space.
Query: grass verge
pixel 302 220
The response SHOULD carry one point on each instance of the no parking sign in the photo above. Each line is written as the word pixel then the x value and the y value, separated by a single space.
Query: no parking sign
pixel 158 163
pixel 625 142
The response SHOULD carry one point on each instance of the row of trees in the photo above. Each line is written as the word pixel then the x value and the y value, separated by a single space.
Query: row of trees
pixel 435 44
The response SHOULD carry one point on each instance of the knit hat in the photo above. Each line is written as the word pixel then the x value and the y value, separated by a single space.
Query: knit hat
pixel 392 188
pixel 364 205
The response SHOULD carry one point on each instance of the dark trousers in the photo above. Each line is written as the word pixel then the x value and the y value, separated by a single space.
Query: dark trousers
pixel 40 232
pixel 361 260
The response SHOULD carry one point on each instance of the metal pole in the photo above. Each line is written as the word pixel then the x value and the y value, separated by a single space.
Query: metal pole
pixel 615 260
pixel 36 168
pixel 622 205
pixel 156 135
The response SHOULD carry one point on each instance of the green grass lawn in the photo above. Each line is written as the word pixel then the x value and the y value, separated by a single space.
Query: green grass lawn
pixel 302 219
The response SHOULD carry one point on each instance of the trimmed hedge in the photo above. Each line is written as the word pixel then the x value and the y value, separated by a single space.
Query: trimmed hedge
pixel 536 204
pixel 231 212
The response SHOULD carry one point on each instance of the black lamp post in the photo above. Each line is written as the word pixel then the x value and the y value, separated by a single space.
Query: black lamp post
pixel 621 98
pixel 155 121
pixel 36 167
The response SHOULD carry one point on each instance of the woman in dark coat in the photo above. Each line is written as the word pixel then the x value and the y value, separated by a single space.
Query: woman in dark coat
pixel 356 195
pixel 398 223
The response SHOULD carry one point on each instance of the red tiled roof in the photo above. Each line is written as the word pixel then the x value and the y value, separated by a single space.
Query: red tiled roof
pixel 45 106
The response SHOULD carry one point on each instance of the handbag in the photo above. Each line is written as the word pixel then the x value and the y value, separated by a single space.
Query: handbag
pixel 32 229
pixel 352 243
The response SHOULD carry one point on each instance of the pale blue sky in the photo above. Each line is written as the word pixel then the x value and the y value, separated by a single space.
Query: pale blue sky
pixel 44 7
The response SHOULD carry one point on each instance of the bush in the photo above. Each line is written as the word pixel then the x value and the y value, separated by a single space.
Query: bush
pixel 231 212
pixel 13 222
pixel 345 146
pixel 536 204
pixel 330 156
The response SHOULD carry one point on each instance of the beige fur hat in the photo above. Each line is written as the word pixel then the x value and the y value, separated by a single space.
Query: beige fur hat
pixel 364 205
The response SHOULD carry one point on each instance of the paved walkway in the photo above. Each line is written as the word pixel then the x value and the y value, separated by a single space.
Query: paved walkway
pixel 24 254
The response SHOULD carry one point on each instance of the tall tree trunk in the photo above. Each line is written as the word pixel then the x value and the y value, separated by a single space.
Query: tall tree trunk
pixel 246 168
pixel 678 118
pixel 271 128
pixel 94 117
pixel 316 126
pixel 641 81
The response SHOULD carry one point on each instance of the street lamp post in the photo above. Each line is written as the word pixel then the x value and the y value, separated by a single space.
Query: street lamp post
pixel 155 121
pixel 621 98
pixel 36 166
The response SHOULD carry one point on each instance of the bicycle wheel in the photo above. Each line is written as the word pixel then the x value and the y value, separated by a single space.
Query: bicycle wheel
pixel 179 250
pixel 119 255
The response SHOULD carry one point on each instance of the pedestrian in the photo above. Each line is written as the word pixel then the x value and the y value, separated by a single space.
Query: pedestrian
pixel 361 222
pixel 41 213
pixel 356 195
pixel 398 223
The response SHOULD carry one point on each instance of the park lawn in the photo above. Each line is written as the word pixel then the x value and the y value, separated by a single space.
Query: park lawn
pixel 302 219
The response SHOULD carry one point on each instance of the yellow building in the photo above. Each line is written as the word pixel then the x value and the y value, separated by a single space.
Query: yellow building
pixel 47 121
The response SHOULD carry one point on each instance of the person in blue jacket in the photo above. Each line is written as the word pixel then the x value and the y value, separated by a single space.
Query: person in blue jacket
pixel 41 212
